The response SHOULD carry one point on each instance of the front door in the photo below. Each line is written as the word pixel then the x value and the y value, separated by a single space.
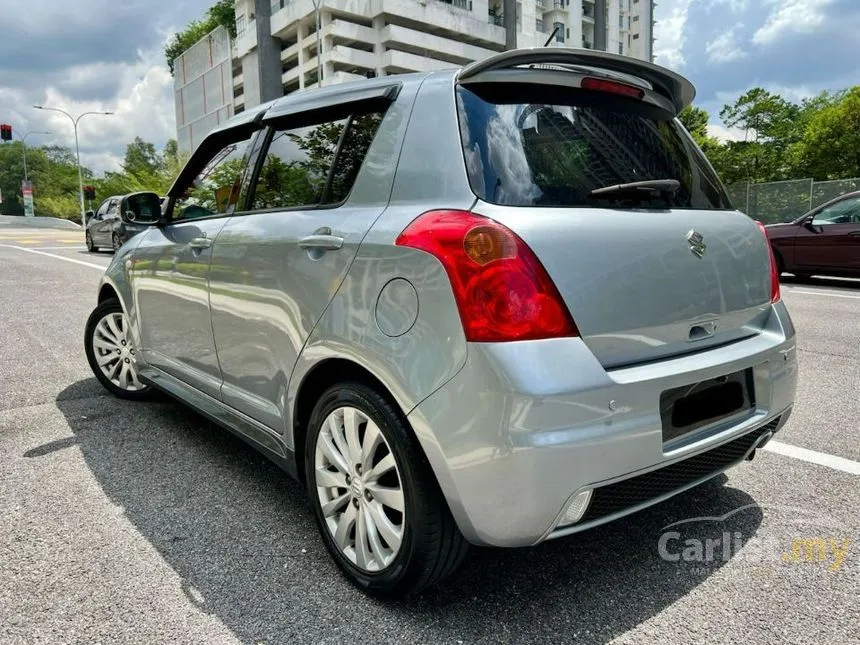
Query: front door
pixel 277 266
pixel 831 240
pixel 170 274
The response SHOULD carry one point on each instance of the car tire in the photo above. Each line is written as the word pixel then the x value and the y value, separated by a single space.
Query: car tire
pixel 430 545
pixel 106 337
pixel 92 248
pixel 115 242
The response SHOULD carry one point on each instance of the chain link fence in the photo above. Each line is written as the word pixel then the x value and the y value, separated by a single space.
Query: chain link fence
pixel 784 201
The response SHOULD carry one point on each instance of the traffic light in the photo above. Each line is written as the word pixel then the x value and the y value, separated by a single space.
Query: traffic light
pixel 5 132
pixel 90 192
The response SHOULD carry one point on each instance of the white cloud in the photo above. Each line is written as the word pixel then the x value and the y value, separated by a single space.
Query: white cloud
pixel 723 133
pixel 725 47
pixel 143 106
pixel 669 33
pixel 790 17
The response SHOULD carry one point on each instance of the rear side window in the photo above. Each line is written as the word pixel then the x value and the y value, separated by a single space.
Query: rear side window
pixel 548 146
pixel 314 165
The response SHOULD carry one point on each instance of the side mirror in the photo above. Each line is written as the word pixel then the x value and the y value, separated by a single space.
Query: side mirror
pixel 808 224
pixel 141 208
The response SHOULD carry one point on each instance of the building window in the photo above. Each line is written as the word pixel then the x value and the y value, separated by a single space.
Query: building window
pixel 635 36
pixel 539 25
pixel 635 18
pixel 240 25
pixel 620 48
pixel 559 31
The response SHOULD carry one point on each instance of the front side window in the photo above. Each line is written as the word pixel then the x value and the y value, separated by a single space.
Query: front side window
pixel 531 145
pixel 215 189
pixel 844 212
pixel 314 165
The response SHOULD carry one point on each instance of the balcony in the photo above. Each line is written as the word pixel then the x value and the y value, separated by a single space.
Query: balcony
pixel 587 44
pixel 496 19
pixel 558 4
pixel 459 4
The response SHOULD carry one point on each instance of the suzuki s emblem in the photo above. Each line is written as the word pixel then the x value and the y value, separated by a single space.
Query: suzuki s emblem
pixel 697 243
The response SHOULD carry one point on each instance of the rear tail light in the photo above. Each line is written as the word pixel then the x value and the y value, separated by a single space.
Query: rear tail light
pixel 502 291
pixel 612 87
pixel 774 273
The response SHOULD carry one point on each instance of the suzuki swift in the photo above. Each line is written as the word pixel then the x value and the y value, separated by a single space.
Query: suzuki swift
pixel 495 305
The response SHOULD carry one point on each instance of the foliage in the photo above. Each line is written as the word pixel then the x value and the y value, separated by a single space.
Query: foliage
pixel 696 121
pixel 220 14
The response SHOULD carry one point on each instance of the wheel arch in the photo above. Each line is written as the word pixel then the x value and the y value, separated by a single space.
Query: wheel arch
pixel 319 378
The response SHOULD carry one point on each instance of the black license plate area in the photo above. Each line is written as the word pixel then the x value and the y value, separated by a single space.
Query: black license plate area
pixel 688 408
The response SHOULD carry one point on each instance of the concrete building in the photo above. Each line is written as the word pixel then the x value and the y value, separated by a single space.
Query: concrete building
pixel 277 41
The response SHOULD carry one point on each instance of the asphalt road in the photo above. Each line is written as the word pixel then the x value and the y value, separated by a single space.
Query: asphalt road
pixel 143 523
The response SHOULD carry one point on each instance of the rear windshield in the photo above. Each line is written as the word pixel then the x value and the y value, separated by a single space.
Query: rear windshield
pixel 561 144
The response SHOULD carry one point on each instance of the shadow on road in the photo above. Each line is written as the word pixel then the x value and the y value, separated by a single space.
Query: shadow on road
pixel 240 535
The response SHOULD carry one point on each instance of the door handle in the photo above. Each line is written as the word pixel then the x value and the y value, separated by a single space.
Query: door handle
pixel 854 233
pixel 322 242
pixel 200 243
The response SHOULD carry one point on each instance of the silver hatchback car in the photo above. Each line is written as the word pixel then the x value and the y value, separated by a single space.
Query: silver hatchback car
pixel 495 305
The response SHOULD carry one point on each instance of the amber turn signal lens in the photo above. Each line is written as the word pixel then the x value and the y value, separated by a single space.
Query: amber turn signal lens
pixel 484 244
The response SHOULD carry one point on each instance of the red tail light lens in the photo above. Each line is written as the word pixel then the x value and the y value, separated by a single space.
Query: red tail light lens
pixel 774 273
pixel 502 290
pixel 613 87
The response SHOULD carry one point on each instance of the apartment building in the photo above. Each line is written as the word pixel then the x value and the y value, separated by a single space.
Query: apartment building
pixel 286 45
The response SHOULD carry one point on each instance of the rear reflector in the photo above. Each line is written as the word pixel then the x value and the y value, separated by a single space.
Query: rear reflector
pixel 503 293
pixel 612 87
pixel 774 272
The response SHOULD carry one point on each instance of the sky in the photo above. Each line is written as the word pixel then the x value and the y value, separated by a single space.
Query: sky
pixel 106 55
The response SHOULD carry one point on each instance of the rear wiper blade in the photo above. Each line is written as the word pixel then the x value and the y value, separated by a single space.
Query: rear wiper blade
pixel 662 186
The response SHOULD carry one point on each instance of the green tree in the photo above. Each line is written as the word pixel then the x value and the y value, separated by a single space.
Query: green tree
pixel 696 121
pixel 220 14
pixel 830 146
pixel 141 157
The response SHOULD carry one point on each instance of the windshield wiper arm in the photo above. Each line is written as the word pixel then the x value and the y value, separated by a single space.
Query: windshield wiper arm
pixel 662 186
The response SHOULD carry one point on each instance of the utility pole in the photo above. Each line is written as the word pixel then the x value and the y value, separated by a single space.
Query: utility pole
pixel 77 151
pixel 509 8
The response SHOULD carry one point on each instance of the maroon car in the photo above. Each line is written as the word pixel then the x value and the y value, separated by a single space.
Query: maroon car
pixel 826 240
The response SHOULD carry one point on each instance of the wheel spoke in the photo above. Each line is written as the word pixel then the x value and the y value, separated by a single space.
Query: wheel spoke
pixel 350 426
pixel 372 439
pixel 105 359
pixel 332 453
pixel 123 376
pixel 387 495
pixel 344 523
pixel 340 441
pixel 331 507
pixel 106 332
pixel 390 533
pixel 134 380
pixel 105 344
pixel 363 554
pixel 376 548
pixel 117 332
pixel 385 464
pixel 330 478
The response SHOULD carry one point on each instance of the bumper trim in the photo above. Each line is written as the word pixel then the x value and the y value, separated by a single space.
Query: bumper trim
pixel 632 494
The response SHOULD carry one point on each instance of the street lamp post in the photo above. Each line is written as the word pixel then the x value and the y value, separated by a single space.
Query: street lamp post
pixel 24 149
pixel 74 121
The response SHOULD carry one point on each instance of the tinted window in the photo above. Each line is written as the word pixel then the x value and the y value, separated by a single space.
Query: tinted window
pixel 844 212
pixel 314 165
pixel 558 146
pixel 216 188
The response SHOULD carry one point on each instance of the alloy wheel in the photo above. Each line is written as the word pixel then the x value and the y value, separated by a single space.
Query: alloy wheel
pixel 359 488
pixel 114 352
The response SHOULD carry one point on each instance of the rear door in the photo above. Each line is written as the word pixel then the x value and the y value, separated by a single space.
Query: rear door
pixel 831 239
pixel 276 267
pixel 646 273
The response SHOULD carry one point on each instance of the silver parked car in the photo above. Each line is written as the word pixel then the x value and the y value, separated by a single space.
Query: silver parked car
pixel 496 305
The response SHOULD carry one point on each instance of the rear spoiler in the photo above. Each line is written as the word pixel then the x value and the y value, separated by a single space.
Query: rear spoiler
pixel 677 89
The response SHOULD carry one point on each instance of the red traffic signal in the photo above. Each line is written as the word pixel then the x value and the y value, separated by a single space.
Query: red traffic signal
pixel 5 132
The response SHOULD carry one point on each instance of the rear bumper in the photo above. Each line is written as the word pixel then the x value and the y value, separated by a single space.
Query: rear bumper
pixel 526 426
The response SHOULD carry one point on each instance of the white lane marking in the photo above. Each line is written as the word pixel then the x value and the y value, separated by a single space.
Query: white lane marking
pixel 814 457
pixel 70 247
pixel 100 267
pixel 822 293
